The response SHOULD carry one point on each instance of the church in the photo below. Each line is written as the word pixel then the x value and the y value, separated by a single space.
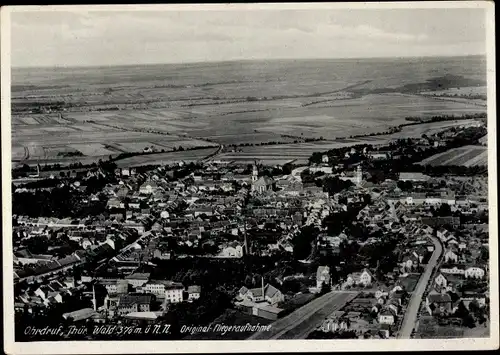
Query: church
pixel 356 177
pixel 261 184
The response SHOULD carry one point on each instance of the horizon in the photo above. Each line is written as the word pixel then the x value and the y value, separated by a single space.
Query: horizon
pixel 253 60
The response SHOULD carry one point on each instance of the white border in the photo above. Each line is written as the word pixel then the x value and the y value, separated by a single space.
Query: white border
pixel 142 347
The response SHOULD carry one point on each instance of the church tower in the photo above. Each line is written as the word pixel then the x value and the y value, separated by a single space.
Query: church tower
pixel 359 175
pixel 255 173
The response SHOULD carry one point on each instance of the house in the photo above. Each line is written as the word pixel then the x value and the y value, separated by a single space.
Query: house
pixel 436 302
pixel 450 256
pixel 413 177
pixel 86 243
pixel 174 292
pixel 410 262
pixel 267 293
pixel 322 276
pixel 148 187
pixel 233 250
pixel 363 278
pixel 468 297
pixel 475 272
pixel 193 292
pixel 381 293
pixel 115 286
pixel 452 269
pixel 137 279
pixel 387 316
pixel 134 303
pixel 441 280
pixel 336 324
pixel 113 203
pixel 378 155
pixel 290 183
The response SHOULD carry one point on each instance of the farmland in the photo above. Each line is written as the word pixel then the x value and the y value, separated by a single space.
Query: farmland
pixel 300 152
pixel 186 156
pixel 92 113
pixel 465 92
pixel 464 156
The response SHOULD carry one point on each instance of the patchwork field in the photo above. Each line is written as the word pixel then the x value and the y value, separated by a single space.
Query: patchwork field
pixel 470 155
pixel 186 156
pixel 300 152
pixel 95 112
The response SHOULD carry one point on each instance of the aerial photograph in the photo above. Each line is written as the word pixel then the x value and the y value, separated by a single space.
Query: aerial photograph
pixel 249 175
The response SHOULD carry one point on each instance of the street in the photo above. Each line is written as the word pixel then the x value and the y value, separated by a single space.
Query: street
pixel 411 313
pixel 298 324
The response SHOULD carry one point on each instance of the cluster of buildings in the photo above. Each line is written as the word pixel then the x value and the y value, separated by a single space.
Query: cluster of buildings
pixel 224 211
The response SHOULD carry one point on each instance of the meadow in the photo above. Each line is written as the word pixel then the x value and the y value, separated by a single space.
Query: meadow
pixel 92 113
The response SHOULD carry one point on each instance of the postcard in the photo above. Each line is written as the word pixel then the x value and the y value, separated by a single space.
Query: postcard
pixel 249 177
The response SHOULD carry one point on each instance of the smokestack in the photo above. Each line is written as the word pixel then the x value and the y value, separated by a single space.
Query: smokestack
pixel 94 301
pixel 263 286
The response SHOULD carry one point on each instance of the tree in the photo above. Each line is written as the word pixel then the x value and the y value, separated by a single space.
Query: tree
pixel 302 242
pixel 443 211
pixel 324 288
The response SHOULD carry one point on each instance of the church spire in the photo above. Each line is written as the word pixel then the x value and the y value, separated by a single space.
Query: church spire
pixel 255 173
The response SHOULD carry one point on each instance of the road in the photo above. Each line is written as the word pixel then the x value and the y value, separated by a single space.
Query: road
pixel 213 155
pixel 411 313
pixel 298 324
pixel 297 171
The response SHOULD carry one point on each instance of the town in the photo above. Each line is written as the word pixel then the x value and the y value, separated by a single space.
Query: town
pixel 363 242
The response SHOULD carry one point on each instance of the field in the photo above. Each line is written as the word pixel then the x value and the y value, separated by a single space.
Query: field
pixel 300 152
pixel 104 111
pixel 461 91
pixel 186 156
pixel 464 156
pixel 428 328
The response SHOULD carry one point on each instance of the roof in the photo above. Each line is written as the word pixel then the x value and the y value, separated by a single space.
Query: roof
pixel 269 291
pixel 264 180
pixel 412 176
pixel 387 312
pixel 80 314
pixel 141 315
pixel 129 300
pixel 268 308
pixel 439 298
pixel 194 289
pixel 138 276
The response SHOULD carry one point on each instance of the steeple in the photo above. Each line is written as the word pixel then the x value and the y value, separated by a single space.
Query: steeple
pixel 247 251
pixel 255 173
pixel 359 175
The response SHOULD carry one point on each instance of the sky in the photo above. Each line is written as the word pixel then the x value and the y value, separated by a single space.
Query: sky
pixel 95 38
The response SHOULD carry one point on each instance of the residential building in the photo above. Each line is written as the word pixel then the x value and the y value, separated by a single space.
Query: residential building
pixel 134 303
pixel 322 276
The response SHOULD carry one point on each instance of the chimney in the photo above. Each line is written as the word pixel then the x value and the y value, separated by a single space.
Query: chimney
pixel 94 301
pixel 263 286
pixel 247 252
